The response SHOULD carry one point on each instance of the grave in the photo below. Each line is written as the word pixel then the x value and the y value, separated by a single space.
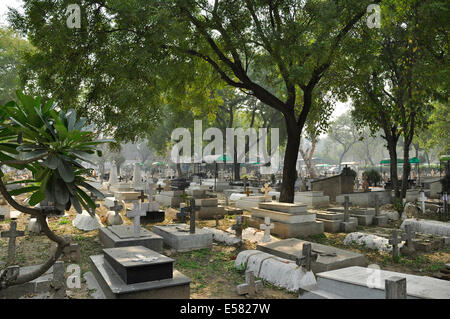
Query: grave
pixel 248 202
pixel 329 258
pixel 153 213
pixel 113 216
pixel 12 234
pixel 266 227
pixel 208 208
pixel 182 237
pixel 138 273
pixel 369 283
pixel 408 236
pixel 312 199
pixel 366 199
pixel 331 221
pixel 170 198
pixel 379 219
pixel 125 236
pixel 137 176
pixel 290 220
pixel 86 222
pixel 432 227
pixel 178 237
pixel 278 271
pixel 251 287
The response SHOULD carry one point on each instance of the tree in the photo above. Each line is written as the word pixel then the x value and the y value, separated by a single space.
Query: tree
pixel 345 133
pixel 143 48
pixel 12 49
pixel 394 76
pixel 51 144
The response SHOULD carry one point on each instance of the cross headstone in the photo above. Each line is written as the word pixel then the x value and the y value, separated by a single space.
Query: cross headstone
pixel 408 236
pixel 116 208
pixel 395 288
pixel 159 188
pixel 346 208
pixel 422 200
pixel 136 214
pixel 150 191
pixel 238 227
pixel 267 226
pixel 58 282
pixel 12 234
pixel 266 189
pixel 377 206
pixel 192 216
pixel 142 197
pixel 394 241
pixel 307 257
pixel 251 287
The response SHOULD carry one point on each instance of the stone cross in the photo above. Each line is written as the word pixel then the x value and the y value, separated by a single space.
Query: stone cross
pixel 192 217
pixel 346 209
pixel 377 206
pixel 116 208
pixel 58 282
pixel 12 234
pixel 395 288
pixel 422 199
pixel 266 189
pixel 267 226
pixel 167 185
pixel 408 236
pixel 251 287
pixel 247 191
pixel 159 188
pixel 136 215
pixel 394 241
pixel 150 191
pixel 238 227
pixel 142 197
pixel 307 257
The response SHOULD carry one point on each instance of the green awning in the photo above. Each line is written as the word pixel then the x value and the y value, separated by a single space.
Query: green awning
pixel 444 158
pixel 413 160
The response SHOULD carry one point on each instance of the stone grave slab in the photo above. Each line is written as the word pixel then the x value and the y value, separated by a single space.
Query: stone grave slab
pixel 138 264
pixel 283 217
pixel 248 202
pixel 179 238
pixel 329 258
pixel 206 202
pixel 113 287
pixel 123 236
pixel 209 212
pixel 127 196
pixel 313 199
pixel 287 230
pixel 289 208
pixel 368 283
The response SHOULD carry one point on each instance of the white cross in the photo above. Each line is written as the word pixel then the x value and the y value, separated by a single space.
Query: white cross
pixel 267 226
pixel 251 287
pixel 136 215
pixel 266 189
pixel 422 200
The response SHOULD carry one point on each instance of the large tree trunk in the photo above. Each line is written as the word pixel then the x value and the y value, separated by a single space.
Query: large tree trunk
pixel 406 171
pixel 237 166
pixel 179 170
pixel 392 148
pixel 290 161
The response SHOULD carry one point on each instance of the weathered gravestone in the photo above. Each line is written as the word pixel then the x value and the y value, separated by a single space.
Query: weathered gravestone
pixel 251 287
pixel 394 241
pixel 12 234
pixel 267 226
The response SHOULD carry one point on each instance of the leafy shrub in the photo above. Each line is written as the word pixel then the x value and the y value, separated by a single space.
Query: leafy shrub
pixel 398 205
pixel 373 177
pixel 445 181
pixel 347 171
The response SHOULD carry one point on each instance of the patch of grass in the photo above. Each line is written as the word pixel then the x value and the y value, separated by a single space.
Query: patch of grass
pixel 64 221
pixel 436 266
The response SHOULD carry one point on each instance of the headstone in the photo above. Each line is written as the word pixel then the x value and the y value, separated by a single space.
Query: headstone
pixel 136 214
pixel 58 283
pixel 346 209
pixel 181 216
pixel 378 219
pixel 137 176
pixel 159 188
pixel 395 288
pixel 267 226
pixel 113 174
pixel 167 185
pixel 394 241
pixel 115 218
pixel 266 189
pixel 238 227
pixel 12 234
pixel 408 236
pixel 422 200
pixel 307 257
pixel 251 287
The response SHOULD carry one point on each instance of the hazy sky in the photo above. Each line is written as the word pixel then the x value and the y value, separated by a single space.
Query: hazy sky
pixel 4 4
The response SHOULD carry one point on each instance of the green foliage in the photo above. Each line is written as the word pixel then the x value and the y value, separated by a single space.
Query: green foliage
pixel 347 171
pixel 398 205
pixel 373 177
pixel 52 144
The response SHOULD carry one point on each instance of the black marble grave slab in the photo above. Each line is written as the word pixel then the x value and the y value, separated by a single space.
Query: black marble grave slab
pixel 137 264
pixel 154 217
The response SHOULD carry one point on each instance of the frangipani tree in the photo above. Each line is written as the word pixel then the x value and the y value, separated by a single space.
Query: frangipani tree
pixel 50 143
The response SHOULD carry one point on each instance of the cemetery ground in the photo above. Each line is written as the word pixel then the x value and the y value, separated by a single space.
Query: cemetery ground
pixel 212 270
